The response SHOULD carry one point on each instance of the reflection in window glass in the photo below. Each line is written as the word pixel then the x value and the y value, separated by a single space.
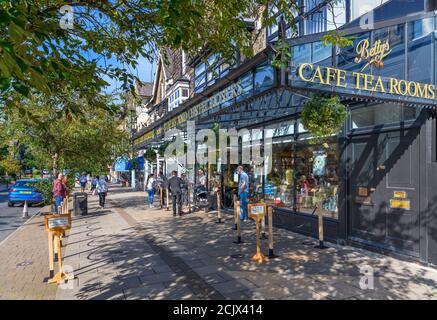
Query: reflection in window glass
pixel 301 54
pixel 347 55
pixel 279 182
pixel 374 115
pixel 420 38
pixel 247 85
pixel 317 181
pixel 322 54
pixel 264 78
pixel 394 63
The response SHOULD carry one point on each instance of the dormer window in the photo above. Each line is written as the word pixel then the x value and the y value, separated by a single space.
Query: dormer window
pixel 178 96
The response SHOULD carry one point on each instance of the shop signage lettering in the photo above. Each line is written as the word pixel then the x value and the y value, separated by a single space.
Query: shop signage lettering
pixel 374 55
pixel 361 81
pixel 202 108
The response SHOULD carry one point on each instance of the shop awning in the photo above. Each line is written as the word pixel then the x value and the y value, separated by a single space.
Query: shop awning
pixel 122 165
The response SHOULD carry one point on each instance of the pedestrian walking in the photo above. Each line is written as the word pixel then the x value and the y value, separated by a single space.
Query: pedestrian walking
pixel 83 181
pixel 59 191
pixel 174 185
pixel 102 189
pixel 89 180
pixel 243 186
pixel 94 184
pixel 150 187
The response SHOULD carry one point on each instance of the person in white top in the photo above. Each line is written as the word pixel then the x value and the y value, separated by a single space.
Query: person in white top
pixel 102 189
pixel 150 189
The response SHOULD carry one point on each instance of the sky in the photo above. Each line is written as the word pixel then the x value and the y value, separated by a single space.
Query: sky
pixel 145 71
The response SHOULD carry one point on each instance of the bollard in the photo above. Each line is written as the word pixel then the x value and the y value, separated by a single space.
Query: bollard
pixel 160 197
pixel 320 223
pixel 238 224
pixel 219 213
pixel 167 196
pixel 235 211
pixel 270 222
pixel 25 211
pixel 189 198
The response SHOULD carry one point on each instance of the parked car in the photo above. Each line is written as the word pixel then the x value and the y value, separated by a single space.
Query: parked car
pixel 24 189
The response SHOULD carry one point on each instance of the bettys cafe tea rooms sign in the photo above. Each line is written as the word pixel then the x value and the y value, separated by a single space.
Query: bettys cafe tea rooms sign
pixel 374 56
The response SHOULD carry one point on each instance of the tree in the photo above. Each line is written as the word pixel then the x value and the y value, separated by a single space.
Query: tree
pixel 79 142
pixel 10 166
pixel 46 45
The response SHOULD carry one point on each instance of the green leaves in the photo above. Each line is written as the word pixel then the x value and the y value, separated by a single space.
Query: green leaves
pixel 323 117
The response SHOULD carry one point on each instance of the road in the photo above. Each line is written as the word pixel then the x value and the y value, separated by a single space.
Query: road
pixel 10 218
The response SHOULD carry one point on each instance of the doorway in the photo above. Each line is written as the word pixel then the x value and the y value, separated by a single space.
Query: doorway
pixel 383 192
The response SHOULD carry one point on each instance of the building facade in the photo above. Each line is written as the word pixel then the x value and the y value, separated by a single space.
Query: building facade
pixel 377 179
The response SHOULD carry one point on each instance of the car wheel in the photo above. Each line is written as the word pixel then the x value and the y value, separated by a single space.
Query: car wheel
pixel 10 204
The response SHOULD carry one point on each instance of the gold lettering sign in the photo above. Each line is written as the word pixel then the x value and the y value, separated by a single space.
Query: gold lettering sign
pixel 336 77
pixel 400 204
pixel 399 194
pixel 374 55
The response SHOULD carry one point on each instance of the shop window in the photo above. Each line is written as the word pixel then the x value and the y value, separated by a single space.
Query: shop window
pixel 381 114
pixel 317 180
pixel 279 183
pixel 264 78
pixel 420 53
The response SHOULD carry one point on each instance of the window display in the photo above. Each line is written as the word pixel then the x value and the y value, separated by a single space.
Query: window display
pixel 279 183
pixel 304 176
pixel 317 178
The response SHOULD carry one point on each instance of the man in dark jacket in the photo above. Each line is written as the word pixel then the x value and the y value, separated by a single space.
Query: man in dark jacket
pixel 174 185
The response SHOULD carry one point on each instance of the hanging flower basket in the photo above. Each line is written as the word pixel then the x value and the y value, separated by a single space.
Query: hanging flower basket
pixel 323 117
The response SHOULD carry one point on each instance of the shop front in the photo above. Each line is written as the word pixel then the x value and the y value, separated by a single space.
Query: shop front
pixel 376 181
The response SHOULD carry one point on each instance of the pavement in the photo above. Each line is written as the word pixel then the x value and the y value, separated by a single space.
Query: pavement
pixel 24 263
pixel 127 251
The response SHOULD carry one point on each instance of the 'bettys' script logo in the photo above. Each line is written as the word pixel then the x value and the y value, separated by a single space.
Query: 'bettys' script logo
pixel 373 55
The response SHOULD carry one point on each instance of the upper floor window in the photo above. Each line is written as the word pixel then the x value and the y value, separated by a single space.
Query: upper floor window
pixel 208 72
pixel 264 78
pixel 177 97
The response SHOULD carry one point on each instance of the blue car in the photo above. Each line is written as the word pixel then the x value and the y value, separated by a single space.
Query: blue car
pixel 23 190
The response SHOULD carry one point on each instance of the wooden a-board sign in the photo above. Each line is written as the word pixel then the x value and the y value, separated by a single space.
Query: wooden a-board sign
pixel 58 222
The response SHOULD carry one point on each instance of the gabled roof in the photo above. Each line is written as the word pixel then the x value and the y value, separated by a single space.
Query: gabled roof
pixel 144 89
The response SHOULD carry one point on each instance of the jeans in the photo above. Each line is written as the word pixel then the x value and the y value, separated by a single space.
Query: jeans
pixel 243 205
pixel 102 197
pixel 151 194
pixel 176 198
pixel 58 200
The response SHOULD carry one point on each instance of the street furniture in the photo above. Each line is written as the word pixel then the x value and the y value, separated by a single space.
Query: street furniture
pixel 55 225
pixel 257 212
